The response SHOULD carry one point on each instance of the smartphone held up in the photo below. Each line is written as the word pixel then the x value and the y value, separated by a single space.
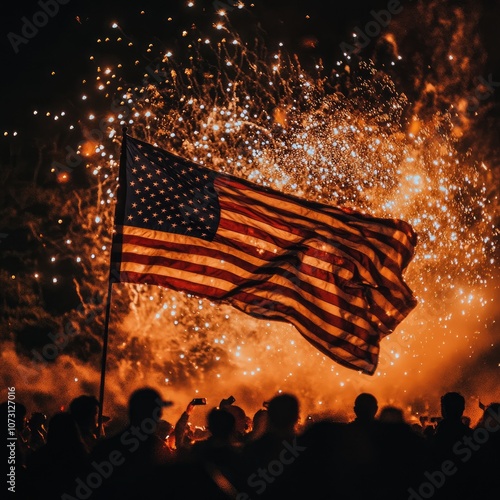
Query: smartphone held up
pixel 199 401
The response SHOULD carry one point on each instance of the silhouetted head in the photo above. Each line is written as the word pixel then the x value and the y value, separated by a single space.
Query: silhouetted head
pixel 283 411
pixel 85 410
pixel 260 418
pixel 417 428
pixel 240 417
pixel 164 428
pixel 391 415
pixel 221 423
pixel 37 420
pixel 365 406
pixel 452 405
pixel 146 403
pixel 491 417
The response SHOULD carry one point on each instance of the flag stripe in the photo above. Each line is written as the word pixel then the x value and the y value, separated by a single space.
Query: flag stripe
pixel 335 274
pixel 261 296
pixel 222 287
pixel 365 360
pixel 311 279
pixel 311 225
pixel 328 266
pixel 259 301
pixel 397 240
pixel 370 264
pixel 337 348
pixel 240 231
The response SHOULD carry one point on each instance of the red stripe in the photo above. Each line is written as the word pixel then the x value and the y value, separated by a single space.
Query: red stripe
pixel 303 323
pixel 357 283
pixel 176 284
pixel 265 270
pixel 383 283
pixel 306 234
pixel 263 284
pixel 345 285
pixel 264 255
pixel 361 222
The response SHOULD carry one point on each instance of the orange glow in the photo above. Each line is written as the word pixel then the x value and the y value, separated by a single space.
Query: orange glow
pixel 354 147
pixel 88 148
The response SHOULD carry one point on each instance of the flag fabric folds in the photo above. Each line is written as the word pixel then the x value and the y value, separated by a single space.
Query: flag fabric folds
pixel 333 273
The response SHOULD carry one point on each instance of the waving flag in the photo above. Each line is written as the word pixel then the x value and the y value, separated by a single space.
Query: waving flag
pixel 333 273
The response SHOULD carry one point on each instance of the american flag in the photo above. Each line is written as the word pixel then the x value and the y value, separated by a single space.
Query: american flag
pixel 333 273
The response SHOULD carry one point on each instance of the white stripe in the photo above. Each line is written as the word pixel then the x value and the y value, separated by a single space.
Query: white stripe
pixel 327 216
pixel 322 232
pixel 272 296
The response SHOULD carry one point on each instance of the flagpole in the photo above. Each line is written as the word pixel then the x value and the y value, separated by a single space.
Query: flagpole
pixel 110 289
pixel 104 355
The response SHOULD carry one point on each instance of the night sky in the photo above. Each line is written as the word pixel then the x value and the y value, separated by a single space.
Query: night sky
pixel 46 72
pixel 63 43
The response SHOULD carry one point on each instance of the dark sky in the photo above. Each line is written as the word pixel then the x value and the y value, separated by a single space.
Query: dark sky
pixel 66 37
pixel 64 41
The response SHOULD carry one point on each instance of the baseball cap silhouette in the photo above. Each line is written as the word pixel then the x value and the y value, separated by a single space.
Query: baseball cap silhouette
pixel 143 402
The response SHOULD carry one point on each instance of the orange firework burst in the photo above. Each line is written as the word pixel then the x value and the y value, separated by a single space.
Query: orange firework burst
pixel 347 137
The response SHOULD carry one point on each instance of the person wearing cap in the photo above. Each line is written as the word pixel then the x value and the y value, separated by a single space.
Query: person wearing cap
pixel 135 453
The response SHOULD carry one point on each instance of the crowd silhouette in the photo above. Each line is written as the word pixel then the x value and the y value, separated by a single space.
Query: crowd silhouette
pixel 274 454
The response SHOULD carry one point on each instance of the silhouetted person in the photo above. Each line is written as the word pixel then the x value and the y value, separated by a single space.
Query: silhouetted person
pixel 360 447
pixel 449 433
pixel 259 425
pixel 270 459
pixel 85 411
pixel 136 451
pixel 209 467
pixel 485 454
pixel 365 407
pixel 165 431
pixel 391 415
pixel 220 454
pixel 428 433
pixel 54 468
pixel 184 433
pixel 323 459
pixel 222 427
pixel 402 454
pixel 242 422
pixel 283 415
pixel 37 425
pixel 417 428
pixel 451 428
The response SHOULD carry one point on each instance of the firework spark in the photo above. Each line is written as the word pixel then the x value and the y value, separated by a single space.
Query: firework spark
pixel 348 137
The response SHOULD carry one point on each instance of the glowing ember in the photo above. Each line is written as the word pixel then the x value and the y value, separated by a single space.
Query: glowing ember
pixel 349 138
